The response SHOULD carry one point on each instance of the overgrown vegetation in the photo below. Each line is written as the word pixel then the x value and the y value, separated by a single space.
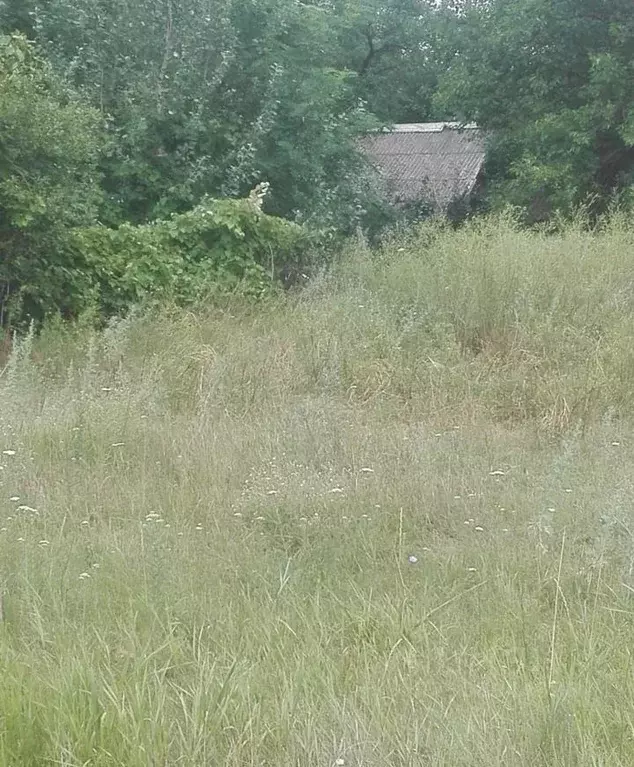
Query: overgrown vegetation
pixel 220 247
pixel 56 260
pixel 382 521
pixel 125 114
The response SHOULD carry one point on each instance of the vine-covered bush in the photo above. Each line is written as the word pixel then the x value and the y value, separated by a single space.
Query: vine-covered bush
pixel 219 246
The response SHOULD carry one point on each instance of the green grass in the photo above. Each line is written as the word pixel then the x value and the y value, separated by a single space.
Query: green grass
pixel 206 519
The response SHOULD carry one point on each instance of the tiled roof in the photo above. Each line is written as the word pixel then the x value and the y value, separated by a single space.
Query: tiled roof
pixel 435 161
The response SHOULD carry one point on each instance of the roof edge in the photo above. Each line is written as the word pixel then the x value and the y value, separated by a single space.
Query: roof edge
pixel 436 127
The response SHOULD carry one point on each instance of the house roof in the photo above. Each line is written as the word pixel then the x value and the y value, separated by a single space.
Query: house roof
pixel 435 161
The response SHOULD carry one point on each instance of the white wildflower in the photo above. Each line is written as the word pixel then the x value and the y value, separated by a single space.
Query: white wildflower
pixel 27 509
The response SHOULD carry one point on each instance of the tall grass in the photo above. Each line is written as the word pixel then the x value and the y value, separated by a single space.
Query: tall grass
pixel 383 521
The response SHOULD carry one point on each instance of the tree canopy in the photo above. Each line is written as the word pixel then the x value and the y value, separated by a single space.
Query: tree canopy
pixel 553 83
pixel 50 144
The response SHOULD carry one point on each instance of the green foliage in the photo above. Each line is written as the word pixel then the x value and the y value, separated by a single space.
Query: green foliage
pixel 54 259
pixel 210 97
pixel 220 246
pixel 49 148
pixel 386 43
pixel 553 80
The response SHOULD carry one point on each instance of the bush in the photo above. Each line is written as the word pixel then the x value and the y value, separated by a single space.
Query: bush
pixel 218 247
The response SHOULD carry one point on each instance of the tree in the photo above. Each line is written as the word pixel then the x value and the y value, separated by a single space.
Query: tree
pixel 553 83
pixel 210 97
pixel 386 43
pixel 49 151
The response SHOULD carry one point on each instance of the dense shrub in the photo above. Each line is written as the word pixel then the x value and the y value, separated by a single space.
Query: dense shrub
pixel 219 246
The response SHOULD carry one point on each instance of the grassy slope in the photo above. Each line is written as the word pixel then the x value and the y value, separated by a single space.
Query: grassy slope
pixel 208 560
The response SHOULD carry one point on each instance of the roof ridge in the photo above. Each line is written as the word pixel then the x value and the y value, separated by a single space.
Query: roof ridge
pixel 431 127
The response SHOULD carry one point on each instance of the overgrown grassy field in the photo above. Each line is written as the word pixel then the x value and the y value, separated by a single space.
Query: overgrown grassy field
pixel 387 520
